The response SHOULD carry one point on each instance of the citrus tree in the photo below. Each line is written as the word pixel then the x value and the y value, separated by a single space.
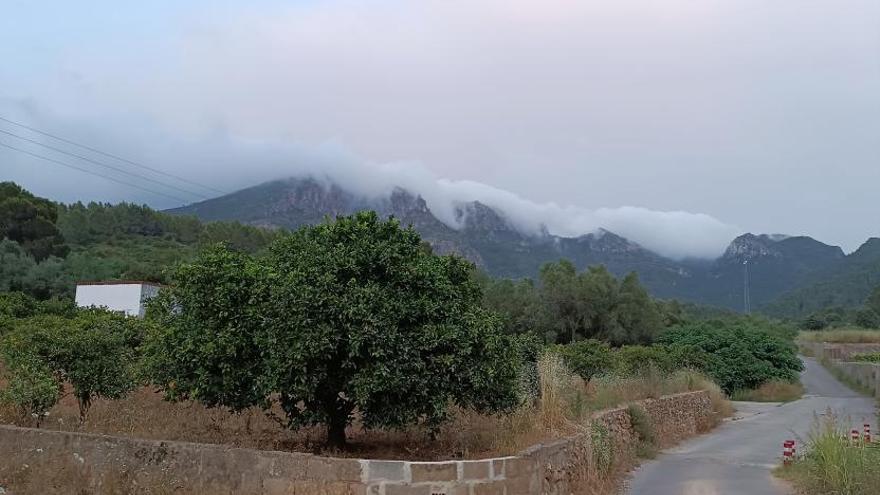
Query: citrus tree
pixel 95 351
pixel 351 316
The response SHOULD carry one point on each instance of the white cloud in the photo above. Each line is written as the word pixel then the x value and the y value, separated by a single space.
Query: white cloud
pixel 764 114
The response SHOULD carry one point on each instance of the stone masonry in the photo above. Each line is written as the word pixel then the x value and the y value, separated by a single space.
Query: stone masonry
pixel 199 468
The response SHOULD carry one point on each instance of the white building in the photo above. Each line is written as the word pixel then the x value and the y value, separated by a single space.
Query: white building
pixel 126 296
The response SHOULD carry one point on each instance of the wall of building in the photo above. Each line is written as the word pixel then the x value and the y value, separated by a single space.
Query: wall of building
pixel 128 298
pixel 101 461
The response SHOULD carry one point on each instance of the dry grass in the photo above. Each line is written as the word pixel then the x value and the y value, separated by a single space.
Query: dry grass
pixel 832 464
pixel 772 391
pixel 842 336
pixel 565 405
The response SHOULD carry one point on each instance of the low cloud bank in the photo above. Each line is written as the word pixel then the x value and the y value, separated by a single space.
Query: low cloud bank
pixel 225 162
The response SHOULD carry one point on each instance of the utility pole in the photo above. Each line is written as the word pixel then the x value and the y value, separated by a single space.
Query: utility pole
pixel 747 303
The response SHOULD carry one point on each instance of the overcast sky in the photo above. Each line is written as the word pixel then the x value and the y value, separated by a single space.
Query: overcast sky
pixel 678 123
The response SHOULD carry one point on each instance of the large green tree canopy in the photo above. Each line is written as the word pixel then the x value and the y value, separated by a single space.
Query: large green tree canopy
pixel 344 317
pixel 30 221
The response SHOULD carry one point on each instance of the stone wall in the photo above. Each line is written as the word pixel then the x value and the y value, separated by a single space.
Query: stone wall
pixel 101 461
pixel 843 352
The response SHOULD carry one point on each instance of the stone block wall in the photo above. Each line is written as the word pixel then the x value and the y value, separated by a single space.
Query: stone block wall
pixel 180 467
pixel 838 351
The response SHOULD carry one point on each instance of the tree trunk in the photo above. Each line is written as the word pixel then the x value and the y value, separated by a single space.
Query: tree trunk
pixel 336 430
pixel 84 401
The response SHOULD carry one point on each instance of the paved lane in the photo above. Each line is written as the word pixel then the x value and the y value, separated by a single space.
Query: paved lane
pixel 736 458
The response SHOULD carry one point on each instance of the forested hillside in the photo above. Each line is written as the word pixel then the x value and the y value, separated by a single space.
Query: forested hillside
pixel 486 236
pixel 846 284
pixel 45 247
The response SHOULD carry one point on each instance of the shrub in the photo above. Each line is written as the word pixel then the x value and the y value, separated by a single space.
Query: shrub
pixel 18 305
pixel 603 448
pixel 635 360
pixel 643 427
pixel 872 357
pixel 742 356
pixel 587 358
pixel 813 322
pixel 344 316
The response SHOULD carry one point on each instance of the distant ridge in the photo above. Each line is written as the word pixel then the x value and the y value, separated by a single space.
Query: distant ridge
pixel 779 263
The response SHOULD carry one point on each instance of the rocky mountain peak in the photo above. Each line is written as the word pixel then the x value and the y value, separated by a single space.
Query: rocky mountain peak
pixel 607 241
pixel 476 216
pixel 749 247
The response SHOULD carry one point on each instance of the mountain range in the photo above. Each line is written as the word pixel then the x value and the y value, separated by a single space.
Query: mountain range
pixel 786 275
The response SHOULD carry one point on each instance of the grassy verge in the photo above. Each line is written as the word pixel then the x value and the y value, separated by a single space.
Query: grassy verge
pixel 773 391
pixel 834 465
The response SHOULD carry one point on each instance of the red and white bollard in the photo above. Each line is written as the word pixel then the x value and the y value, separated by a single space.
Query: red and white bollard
pixel 854 436
pixel 787 452
pixel 867 433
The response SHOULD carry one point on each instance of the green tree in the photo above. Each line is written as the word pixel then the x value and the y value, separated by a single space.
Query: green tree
pixel 96 352
pixel 587 358
pixel 867 318
pixel 30 221
pixel 873 301
pixel 519 303
pixel 347 316
pixel 741 354
pixel 31 389
pixel 562 292
pixel 634 318
pixel 15 265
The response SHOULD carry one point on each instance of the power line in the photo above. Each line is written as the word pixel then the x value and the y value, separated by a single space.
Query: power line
pixel 63 164
pixel 100 164
pixel 110 155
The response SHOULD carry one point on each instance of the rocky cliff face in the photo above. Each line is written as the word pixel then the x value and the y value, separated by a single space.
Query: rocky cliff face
pixel 490 240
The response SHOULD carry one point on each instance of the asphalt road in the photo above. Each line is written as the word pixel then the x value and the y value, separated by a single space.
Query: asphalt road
pixel 737 457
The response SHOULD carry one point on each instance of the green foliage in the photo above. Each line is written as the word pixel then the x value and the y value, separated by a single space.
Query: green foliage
pixel 871 357
pixel 31 389
pixel 20 272
pixel 567 306
pixel 643 427
pixel 873 301
pixel 95 351
pixel 15 305
pixel 30 221
pixel 867 318
pixel 519 303
pixel 637 359
pixel 845 284
pixel 587 358
pixel 602 447
pixel 344 316
pixel 123 241
pixel 743 354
